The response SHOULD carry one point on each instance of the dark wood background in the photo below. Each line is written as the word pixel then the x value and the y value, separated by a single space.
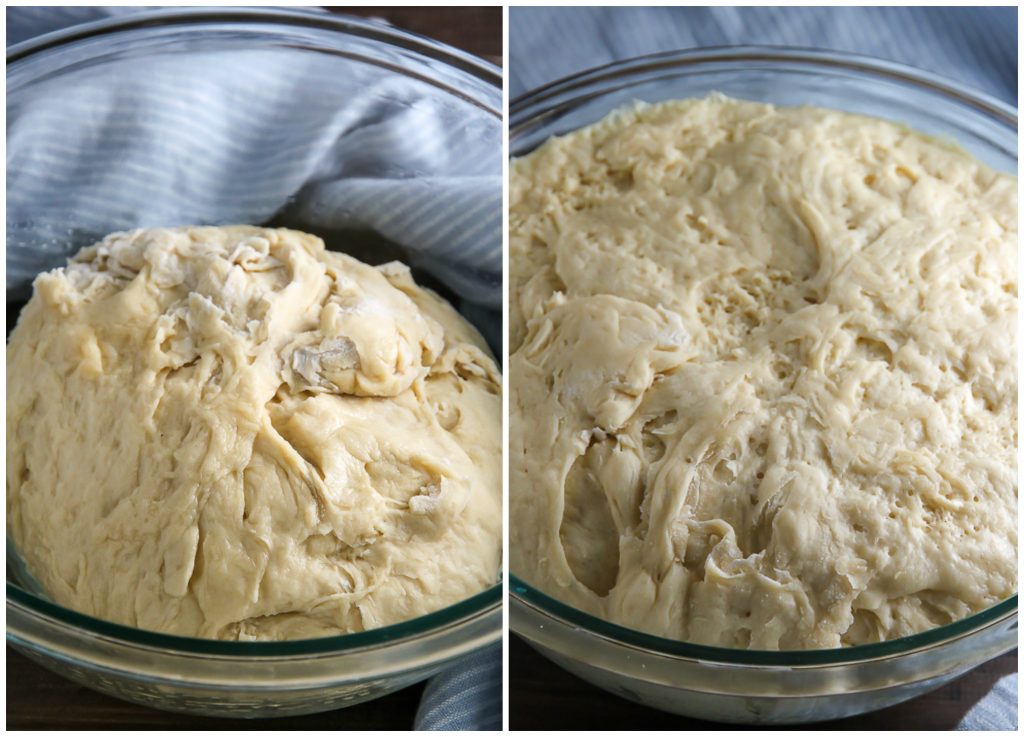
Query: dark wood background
pixel 543 696
pixel 476 30
pixel 39 699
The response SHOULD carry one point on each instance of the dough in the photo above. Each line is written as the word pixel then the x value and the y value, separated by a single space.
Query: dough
pixel 764 384
pixel 233 433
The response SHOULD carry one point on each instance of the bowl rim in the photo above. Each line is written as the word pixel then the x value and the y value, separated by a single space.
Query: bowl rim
pixel 756 53
pixel 523 593
pixel 297 17
pixel 545 99
pixel 475 608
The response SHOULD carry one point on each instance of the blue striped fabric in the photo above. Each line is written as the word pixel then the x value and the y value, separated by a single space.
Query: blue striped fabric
pixel 211 137
pixel 975 46
pixel 26 23
pixel 997 711
pixel 465 698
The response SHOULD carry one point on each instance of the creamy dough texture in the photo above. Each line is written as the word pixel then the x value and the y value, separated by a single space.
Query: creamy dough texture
pixel 764 379
pixel 233 433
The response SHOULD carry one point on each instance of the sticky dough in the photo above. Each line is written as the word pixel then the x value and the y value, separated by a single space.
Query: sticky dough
pixel 764 386
pixel 233 433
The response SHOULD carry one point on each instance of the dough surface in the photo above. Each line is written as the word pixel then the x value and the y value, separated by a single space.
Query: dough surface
pixel 234 433
pixel 763 375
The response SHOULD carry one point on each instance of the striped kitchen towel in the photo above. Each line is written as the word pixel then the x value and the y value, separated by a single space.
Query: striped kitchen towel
pixel 972 45
pixel 997 711
pixel 325 143
pixel 466 697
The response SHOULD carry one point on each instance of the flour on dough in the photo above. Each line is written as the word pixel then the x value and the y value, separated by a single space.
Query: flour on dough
pixel 233 433
pixel 764 383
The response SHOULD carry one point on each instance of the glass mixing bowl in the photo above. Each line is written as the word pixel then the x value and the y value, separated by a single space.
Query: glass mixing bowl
pixel 241 678
pixel 744 686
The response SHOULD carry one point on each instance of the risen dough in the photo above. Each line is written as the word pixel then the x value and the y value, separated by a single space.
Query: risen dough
pixel 234 433
pixel 764 387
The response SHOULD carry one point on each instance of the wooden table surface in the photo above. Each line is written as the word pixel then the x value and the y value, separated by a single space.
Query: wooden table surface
pixel 476 30
pixel 39 699
pixel 543 696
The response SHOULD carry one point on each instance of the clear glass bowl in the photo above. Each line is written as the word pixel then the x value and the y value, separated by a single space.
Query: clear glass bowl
pixel 241 678
pixel 744 686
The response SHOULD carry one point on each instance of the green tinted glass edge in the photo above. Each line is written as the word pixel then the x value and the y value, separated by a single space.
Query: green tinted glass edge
pixel 634 638
pixel 479 604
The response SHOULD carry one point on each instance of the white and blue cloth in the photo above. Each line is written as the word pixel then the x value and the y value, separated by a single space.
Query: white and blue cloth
pixel 976 46
pixel 208 137
pixel 996 711
pixel 465 697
